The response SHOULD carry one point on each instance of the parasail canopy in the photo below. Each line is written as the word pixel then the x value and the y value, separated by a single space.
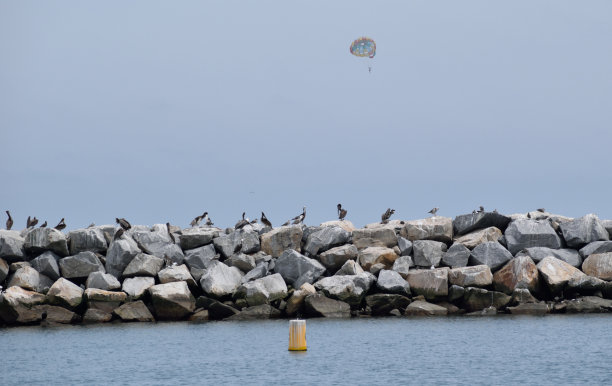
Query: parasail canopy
pixel 363 47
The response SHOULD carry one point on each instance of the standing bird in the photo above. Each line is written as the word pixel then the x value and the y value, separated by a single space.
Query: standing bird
pixel 434 211
pixel 9 222
pixel 31 222
pixel 387 215
pixel 123 223
pixel 265 221
pixel 170 233
pixel 209 221
pixel 118 234
pixel 300 217
pixel 44 225
pixel 481 209
pixel 241 223
pixel 341 212
pixel 196 221
pixel 60 225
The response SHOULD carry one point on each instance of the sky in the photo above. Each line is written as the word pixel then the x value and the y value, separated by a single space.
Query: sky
pixel 157 111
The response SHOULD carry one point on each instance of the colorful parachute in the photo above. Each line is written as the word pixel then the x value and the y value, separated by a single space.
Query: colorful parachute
pixel 363 47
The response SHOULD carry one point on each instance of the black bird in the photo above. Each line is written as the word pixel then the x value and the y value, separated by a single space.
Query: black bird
pixel 170 233
pixel 61 225
pixel 209 221
pixel 341 212
pixel 34 222
pixel 528 215
pixel 240 224
pixel 124 223
pixel 44 225
pixel 118 234
pixel 196 221
pixel 9 222
pixel 481 209
pixel 265 221
pixel 385 216
pixel 434 211
pixel 300 217
pixel 541 210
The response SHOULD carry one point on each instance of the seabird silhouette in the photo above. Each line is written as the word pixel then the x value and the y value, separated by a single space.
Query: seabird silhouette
pixel 123 223
pixel 44 225
pixel 385 216
pixel 481 209
pixel 31 222
pixel 541 210
pixel 118 234
pixel 170 233
pixel 341 212
pixel 265 221
pixel 209 221
pixel 300 218
pixel 196 221
pixel 60 225
pixel 528 215
pixel 241 223
pixel 434 211
pixel 9 222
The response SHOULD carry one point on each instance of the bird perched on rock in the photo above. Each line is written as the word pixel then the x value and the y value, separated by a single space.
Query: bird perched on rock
pixel 9 222
pixel 123 223
pixel 241 223
pixel 300 217
pixel 170 233
pixel 341 212
pixel 528 215
pixel 118 234
pixel 481 209
pixel 196 221
pixel 44 225
pixel 265 221
pixel 31 222
pixel 60 225
pixel 385 216
pixel 254 221
pixel 541 210
pixel 209 221
pixel 434 211
pixel 91 225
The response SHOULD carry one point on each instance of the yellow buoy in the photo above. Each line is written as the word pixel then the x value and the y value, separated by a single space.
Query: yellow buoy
pixel 297 335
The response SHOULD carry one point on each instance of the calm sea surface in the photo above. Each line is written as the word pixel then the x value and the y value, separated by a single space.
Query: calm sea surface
pixel 553 349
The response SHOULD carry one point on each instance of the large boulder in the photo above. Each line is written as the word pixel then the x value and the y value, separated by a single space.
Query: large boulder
pixel 427 253
pixel 258 272
pixel 38 240
pixel 556 273
pixel 12 246
pixel 374 237
pixel 157 242
pixel 374 255
pixel 298 269
pixel 581 231
pixel 347 288
pixel 296 301
pixel 431 283
pixel 95 315
pixel 46 264
pixel 475 276
pixel 119 254
pixel 470 222
pixel 599 265
pixel 405 246
pixel 432 228
pixel 176 273
pixel 218 310
pixel 136 287
pixel 4 270
pixel 80 265
pixel 219 280
pixel 275 242
pixel 143 265
pixel 596 247
pixel 490 253
pixel 570 256
pixel 519 273
pixel 104 300
pixel 335 258
pixel 522 234
pixel 27 278
pixel 473 239
pixel 402 265
pixel 392 282
pixel 382 304
pixel 191 238
pixel 55 314
pixel 172 301
pixel 262 291
pixel 134 312
pixel 588 304
pixel 64 293
pixel 88 239
pixel 243 262
pixel 200 257
pixel 475 299
pixel 103 281
pixel 320 305
pixel 350 268
pixel 421 308
pixel 456 256
pixel 325 239
pixel 17 305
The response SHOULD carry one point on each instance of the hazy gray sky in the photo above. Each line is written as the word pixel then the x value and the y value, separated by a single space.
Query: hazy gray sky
pixel 156 110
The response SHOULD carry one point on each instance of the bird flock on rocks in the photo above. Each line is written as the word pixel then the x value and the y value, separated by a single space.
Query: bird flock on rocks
pixel 31 222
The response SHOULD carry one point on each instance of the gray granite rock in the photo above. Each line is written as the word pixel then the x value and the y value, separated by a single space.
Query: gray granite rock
pixel 243 262
pixel 427 252
pixel 172 301
pixel 80 265
pixel 294 266
pixel 134 312
pixel 46 264
pixel 220 280
pixel 335 258
pixel 520 272
pixel 347 288
pixel 472 239
pixel 119 254
pixel 581 231
pixel 136 287
pixel 143 265
pixel 374 237
pixel 258 272
pixel 275 242
pixel 38 240
pixel 325 239
pixel 570 256
pixel 263 290
pixel 157 242
pixel 470 222
pixel 490 253
pixel 522 234
pixel 456 256
pixel 432 228
pixel 12 246
pixel 431 283
pixel 382 304
pixel 475 276
pixel 350 268
pixel 405 246
pixel 27 278
pixel 320 305
pixel 476 299
pixel 200 257
pixel 392 282
pixel 176 273
pixel 64 293
pixel 556 273
pixel 261 311
pixel 608 225
pixel 88 239
pixel 599 265
pixel 421 308
pixel 192 238
pixel 596 247
pixel 103 281
pixel 402 265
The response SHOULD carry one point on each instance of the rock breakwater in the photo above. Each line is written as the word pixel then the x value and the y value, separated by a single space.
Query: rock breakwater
pixel 482 263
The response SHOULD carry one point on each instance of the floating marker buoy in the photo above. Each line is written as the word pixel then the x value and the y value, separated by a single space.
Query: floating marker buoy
pixel 297 335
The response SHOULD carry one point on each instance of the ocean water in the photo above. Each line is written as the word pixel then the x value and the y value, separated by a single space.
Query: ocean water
pixel 553 349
